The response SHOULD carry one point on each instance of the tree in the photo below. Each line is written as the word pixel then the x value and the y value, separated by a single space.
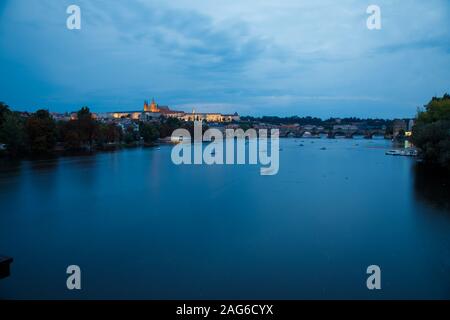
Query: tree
pixel 87 127
pixel 41 132
pixel 130 135
pixel 79 133
pixel 68 134
pixel 12 134
pixel 431 133
pixel 168 126
pixel 149 132
pixel 109 133
pixel 4 111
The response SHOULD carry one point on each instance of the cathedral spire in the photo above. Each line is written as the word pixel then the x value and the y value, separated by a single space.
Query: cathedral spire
pixel 154 106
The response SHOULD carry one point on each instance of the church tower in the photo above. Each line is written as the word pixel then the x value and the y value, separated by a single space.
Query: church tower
pixel 146 108
pixel 154 106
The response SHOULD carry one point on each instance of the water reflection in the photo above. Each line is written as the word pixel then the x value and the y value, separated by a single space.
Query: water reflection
pixel 226 232
pixel 432 185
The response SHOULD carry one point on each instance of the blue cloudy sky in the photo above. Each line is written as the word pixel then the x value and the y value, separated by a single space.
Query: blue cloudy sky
pixel 257 57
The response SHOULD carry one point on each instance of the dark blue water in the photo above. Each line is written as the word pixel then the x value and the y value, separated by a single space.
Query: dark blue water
pixel 141 227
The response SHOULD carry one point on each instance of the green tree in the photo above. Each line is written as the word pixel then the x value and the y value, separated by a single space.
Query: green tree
pixel 109 133
pixel 168 126
pixel 4 111
pixel 149 132
pixel 68 134
pixel 80 133
pixel 41 132
pixel 431 133
pixel 130 135
pixel 87 127
pixel 12 134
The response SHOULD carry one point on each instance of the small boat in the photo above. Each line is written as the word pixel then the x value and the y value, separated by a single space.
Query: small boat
pixel 394 153
pixel 406 153
pixel 411 153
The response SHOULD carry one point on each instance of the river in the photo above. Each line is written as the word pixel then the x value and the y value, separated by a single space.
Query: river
pixel 141 227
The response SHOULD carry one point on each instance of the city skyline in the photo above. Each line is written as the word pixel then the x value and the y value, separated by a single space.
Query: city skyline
pixel 252 58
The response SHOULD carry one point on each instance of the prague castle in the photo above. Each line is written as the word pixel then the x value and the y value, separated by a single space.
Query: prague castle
pixel 152 108
pixel 154 111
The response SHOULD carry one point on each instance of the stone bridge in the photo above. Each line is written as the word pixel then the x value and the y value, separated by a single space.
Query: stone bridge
pixel 337 131
pixel 349 134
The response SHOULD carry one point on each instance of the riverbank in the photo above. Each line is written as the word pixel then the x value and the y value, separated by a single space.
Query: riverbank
pixel 60 152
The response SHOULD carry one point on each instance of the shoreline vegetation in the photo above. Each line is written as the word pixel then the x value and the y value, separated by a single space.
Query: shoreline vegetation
pixel 39 135
pixel 431 132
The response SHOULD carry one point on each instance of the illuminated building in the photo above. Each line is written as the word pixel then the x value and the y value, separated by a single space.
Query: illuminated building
pixel 154 111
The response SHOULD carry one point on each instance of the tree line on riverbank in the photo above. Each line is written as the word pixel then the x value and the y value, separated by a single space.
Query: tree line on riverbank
pixel 431 133
pixel 39 134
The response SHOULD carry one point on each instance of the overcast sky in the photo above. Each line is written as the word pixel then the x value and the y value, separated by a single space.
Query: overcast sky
pixel 257 57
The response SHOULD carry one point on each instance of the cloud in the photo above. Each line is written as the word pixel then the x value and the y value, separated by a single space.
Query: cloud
pixel 304 57
pixel 442 44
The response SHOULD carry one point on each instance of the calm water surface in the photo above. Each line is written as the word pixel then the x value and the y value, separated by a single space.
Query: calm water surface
pixel 141 227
